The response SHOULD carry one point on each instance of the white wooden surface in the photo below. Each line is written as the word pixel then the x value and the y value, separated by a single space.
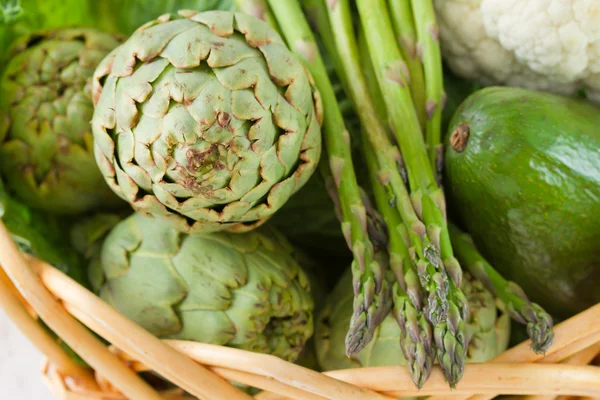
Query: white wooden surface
pixel 20 365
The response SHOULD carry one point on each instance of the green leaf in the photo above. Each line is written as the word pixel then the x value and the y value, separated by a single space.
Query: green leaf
pixel 40 235
pixel 21 17
pixel 134 13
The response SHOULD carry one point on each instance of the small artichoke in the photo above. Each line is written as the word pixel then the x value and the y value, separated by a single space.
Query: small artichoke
pixel 46 151
pixel 241 290
pixel 207 120
pixel 488 327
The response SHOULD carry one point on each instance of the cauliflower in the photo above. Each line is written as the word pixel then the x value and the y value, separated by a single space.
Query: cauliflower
pixel 551 45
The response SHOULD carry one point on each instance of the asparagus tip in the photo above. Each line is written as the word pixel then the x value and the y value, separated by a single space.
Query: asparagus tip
pixel 539 323
pixel 367 316
pixel 451 339
pixel 358 334
pixel 416 341
pixel 540 330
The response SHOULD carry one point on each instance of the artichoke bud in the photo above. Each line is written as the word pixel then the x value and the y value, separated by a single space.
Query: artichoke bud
pixel 206 120
pixel 46 151
pixel 242 290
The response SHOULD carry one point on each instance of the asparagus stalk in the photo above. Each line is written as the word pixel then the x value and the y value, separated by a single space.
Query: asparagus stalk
pixel 316 12
pixel 424 254
pixel 368 274
pixel 539 322
pixel 404 26
pixel 416 339
pixel 428 49
pixel 427 197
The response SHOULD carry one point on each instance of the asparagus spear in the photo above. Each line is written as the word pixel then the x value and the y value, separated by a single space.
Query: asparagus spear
pixel 316 13
pixel 416 339
pixel 424 254
pixel 368 274
pixel 539 322
pixel 428 49
pixel 368 70
pixel 427 197
pixel 404 26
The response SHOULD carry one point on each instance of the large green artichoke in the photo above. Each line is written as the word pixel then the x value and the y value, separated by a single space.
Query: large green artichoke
pixel 46 154
pixel 240 290
pixel 488 327
pixel 206 120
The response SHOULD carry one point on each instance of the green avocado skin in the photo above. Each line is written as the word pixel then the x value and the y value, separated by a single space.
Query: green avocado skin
pixel 527 188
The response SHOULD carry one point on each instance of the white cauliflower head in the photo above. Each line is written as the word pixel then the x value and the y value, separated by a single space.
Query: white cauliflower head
pixel 551 45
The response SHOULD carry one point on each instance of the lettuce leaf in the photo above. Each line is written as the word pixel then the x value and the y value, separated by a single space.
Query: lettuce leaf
pixel 41 235
pixel 134 13
pixel 21 17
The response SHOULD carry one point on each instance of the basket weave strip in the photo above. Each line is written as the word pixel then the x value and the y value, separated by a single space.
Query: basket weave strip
pixel 584 357
pixel 56 383
pixel 521 381
pixel 484 378
pixel 259 381
pixel 15 309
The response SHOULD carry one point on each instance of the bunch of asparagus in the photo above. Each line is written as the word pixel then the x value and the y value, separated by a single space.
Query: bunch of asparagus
pixel 387 56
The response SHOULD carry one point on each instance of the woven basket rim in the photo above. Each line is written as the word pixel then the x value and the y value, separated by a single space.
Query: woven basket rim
pixel 32 287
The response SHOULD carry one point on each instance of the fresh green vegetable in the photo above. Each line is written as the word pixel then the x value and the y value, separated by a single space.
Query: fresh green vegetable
pixel 499 43
pixel 46 152
pixel 87 236
pixel 523 175
pixel 389 162
pixel 427 197
pixel 416 339
pixel 240 290
pixel 488 327
pixel 368 275
pixel 428 48
pixel 383 160
pixel 401 15
pixel 309 218
pixel 538 321
pixel 213 145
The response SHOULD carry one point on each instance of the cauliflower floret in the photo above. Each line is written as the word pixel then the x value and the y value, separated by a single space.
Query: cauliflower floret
pixel 551 45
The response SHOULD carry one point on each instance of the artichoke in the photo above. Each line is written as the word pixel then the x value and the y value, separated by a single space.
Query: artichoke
pixel 241 290
pixel 46 154
pixel 206 120
pixel 488 328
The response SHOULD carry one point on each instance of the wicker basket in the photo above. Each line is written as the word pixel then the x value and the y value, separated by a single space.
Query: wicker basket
pixel 30 288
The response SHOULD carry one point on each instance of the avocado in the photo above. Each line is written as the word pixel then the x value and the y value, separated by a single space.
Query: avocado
pixel 522 176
